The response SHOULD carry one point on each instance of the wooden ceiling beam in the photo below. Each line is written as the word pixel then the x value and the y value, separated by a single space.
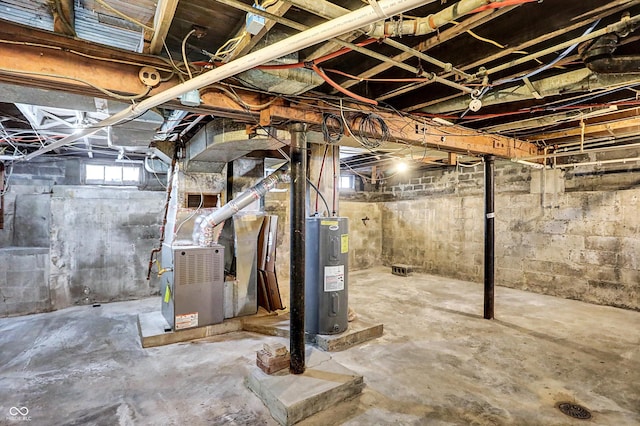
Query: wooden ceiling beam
pixel 629 125
pixel 619 6
pixel 60 69
pixel 418 132
pixel 165 11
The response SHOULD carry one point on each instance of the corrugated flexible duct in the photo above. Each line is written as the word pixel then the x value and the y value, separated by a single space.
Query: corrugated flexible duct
pixel 243 200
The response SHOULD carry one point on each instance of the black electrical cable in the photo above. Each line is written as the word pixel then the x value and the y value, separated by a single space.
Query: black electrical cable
pixel 332 128
pixel 320 194
pixel 365 124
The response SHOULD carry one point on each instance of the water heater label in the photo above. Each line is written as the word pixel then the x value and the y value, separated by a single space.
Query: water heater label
pixel 186 321
pixel 329 223
pixel 333 278
pixel 344 243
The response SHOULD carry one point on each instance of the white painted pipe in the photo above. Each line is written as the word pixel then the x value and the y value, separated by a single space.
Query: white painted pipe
pixel 426 25
pixel 330 29
pixel 598 163
pixel 11 157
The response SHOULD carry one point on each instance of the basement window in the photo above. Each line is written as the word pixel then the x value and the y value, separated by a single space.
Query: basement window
pixel 201 200
pixel 346 182
pixel 102 174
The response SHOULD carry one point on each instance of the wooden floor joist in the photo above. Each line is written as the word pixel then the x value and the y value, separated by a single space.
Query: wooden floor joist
pixel 35 58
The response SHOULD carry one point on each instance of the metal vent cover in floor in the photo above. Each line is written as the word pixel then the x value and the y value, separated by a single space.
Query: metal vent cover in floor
pixel 574 410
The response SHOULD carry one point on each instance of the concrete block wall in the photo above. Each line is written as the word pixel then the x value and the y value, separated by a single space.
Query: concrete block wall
pixel 24 275
pixel 581 245
pixel 440 235
pixel 556 233
pixel 365 237
pixel 100 243
pixel 52 246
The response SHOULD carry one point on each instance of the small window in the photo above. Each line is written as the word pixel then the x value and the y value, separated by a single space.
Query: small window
pixel 102 174
pixel 346 182
pixel 95 173
pixel 131 174
pixel 207 200
pixel 112 174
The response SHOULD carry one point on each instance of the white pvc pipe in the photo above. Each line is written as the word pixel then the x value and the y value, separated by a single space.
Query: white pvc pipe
pixel 11 157
pixel 330 29
pixel 598 163
pixel 429 24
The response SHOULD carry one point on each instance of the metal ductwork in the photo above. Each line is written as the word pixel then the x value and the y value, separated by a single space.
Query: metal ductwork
pixel 243 200
pixel 597 55
pixel 292 81
pixel 221 141
pixel 578 81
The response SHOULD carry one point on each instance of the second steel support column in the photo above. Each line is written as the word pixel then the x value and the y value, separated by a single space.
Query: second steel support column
pixel 489 234
pixel 298 156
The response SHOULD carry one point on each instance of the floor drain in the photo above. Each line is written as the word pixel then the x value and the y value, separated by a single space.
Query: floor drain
pixel 574 410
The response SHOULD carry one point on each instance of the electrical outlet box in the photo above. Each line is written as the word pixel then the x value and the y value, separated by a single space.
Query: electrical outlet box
pixel 255 23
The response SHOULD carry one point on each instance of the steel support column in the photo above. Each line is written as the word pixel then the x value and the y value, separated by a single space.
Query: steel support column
pixel 298 156
pixel 489 234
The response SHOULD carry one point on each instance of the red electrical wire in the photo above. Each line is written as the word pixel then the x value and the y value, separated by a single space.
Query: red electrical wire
pixel 501 4
pixel 384 80
pixel 319 60
pixel 339 88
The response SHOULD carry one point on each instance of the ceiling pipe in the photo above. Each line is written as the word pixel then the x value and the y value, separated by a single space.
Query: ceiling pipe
pixel 320 33
pixel 597 163
pixel 329 10
pixel 431 23
pixel 572 153
pixel 625 25
pixel 598 57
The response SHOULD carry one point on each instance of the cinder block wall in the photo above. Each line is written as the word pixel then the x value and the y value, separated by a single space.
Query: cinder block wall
pixel 567 234
pixel 24 280
pixel 101 239
pixel 65 244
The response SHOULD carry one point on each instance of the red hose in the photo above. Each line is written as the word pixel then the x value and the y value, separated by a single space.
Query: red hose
pixel 501 4
pixel 319 60
pixel 339 88
pixel 383 80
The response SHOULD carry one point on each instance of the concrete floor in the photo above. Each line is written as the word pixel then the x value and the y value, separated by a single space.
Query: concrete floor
pixel 438 363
